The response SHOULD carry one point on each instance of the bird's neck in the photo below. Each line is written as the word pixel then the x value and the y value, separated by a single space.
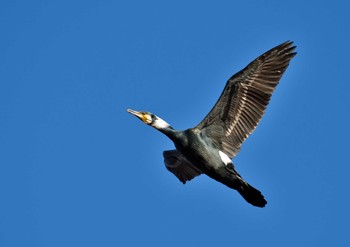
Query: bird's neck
pixel 169 132
pixel 164 127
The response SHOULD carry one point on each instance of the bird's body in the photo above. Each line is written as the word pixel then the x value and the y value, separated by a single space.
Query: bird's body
pixel 199 150
pixel 209 147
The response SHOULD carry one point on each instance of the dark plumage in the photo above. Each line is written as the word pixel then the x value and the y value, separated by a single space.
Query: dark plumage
pixel 209 147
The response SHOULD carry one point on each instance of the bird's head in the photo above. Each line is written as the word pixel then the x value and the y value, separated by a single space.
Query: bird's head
pixel 150 119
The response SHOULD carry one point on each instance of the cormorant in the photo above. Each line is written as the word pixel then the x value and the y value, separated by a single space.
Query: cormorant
pixel 209 147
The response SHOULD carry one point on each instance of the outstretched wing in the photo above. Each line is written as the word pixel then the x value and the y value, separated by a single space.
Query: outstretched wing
pixel 245 98
pixel 180 166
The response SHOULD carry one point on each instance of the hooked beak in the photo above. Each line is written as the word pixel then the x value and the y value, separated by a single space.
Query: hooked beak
pixel 141 115
pixel 135 113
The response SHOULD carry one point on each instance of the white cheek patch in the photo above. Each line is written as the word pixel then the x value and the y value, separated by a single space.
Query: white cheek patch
pixel 225 158
pixel 160 124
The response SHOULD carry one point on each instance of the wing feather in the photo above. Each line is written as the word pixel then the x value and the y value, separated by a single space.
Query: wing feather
pixel 244 99
pixel 177 164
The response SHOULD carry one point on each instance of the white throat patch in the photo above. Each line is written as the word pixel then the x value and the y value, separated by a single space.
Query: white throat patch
pixel 225 158
pixel 160 124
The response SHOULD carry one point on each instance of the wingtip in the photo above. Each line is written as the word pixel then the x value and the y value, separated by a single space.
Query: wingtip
pixel 287 45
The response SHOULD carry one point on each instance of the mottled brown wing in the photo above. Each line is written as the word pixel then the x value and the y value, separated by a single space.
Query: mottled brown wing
pixel 245 98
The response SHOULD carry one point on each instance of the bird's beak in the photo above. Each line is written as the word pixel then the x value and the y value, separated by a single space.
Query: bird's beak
pixel 141 115
pixel 135 113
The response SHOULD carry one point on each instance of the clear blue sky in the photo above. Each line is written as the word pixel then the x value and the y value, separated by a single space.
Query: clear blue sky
pixel 77 170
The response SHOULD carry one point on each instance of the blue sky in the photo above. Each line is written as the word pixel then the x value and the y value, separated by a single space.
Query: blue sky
pixel 77 170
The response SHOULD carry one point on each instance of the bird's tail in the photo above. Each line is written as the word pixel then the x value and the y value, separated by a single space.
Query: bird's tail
pixel 251 195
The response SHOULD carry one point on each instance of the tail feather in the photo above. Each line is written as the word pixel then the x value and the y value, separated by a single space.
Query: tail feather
pixel 249 193
pixel 252 195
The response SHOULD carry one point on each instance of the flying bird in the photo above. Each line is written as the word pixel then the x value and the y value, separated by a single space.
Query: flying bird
pixel 209 147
